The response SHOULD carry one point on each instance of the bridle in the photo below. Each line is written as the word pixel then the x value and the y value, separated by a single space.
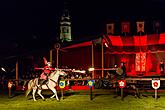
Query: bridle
pixel 53 80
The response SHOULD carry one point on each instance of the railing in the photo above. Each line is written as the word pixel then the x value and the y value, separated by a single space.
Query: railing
pixel 141 83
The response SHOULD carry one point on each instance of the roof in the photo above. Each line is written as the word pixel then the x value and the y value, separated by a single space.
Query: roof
pixel 145 40
pixel 152 42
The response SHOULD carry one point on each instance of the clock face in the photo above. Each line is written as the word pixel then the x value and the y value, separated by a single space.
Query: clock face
pixel 57 46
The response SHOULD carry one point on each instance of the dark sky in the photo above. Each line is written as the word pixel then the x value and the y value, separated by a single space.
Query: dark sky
pixel 31 24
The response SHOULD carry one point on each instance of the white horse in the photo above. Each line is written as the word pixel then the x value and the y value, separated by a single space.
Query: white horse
pixel 52 83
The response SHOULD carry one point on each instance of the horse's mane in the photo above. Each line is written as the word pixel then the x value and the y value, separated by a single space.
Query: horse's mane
pixel 52 73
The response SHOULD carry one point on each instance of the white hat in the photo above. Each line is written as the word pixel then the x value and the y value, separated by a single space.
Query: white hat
pixel 49 63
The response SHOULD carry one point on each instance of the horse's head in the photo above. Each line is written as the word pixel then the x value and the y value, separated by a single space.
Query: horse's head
pixel 63 73
pixel 60 72
pixel 55 75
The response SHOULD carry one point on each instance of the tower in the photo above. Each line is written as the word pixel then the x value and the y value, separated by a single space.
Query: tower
pixel 65 27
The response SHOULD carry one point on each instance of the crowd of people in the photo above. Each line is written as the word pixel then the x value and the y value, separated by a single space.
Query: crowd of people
pixel 78 78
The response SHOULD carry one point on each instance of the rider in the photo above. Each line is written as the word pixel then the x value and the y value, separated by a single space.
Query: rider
pixel 44 75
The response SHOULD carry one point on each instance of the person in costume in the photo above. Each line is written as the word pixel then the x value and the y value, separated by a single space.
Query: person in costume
pixel 45 74
pixel 124 69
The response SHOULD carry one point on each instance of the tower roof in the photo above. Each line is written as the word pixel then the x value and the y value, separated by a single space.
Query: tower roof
pixel 65 17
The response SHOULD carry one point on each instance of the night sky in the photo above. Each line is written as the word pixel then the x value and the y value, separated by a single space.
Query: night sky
pixel 33 24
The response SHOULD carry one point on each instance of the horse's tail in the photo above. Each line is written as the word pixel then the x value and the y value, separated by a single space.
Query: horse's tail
pixel 31 84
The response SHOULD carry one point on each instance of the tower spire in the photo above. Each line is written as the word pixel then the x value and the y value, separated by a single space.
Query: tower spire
pixel 65 25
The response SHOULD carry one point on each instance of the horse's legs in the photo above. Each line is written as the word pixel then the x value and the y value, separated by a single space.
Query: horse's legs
pixel 24 85
pixel 55 93
pixel 33 93
pixel 39 93
pixel 53 96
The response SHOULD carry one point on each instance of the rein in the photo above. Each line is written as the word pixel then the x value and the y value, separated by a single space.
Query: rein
pixel 53 80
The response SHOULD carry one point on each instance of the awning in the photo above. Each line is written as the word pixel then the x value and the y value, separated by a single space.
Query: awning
pixel 146 40
pixel 129 43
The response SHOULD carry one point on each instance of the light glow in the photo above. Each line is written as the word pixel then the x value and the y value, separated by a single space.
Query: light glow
pixel 91 69
pixel 3 69
pixel 106 44
pixel 140 62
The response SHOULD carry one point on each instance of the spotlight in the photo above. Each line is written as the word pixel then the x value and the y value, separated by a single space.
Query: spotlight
pixel 3 69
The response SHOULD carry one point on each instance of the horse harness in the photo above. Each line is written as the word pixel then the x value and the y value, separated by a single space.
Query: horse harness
pixel 53 81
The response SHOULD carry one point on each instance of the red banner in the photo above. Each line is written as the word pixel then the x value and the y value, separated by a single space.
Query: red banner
pixel 125 27
pixel 110 28
pixel 156 26
pixel 140 26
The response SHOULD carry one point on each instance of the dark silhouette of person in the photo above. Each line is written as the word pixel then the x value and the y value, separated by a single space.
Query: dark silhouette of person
pixel 161 67
pixel 124 70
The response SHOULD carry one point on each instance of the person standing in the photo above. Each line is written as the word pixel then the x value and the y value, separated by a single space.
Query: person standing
pixel 124 70
pixel 161 67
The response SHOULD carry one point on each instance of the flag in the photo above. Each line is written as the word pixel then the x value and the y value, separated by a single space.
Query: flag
pixel 125 27
pixel 140 26
pixel 110 28
pixel 97 41
pixel 62 84
pixel 156 26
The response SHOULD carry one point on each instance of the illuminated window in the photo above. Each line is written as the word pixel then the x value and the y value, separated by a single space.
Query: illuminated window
pixel 65 30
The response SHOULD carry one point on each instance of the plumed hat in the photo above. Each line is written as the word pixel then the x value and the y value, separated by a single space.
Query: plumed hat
pixel 45 61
